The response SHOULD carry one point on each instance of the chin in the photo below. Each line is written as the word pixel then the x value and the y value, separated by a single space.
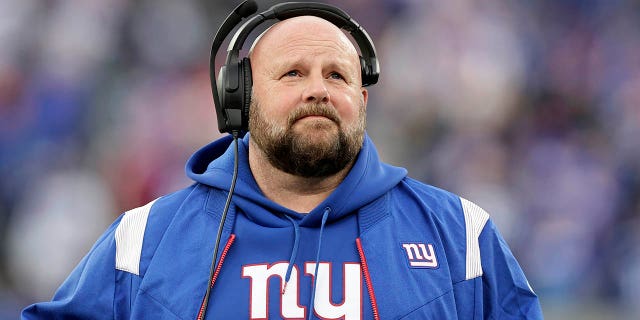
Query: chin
pixel 320 137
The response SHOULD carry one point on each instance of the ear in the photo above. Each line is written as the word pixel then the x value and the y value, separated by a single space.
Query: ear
pixel 365 96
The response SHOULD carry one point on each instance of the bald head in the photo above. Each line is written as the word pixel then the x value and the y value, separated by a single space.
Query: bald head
pixel 292 36
pixel 305 24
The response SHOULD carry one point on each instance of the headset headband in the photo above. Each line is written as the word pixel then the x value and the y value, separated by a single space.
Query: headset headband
pixel 332 14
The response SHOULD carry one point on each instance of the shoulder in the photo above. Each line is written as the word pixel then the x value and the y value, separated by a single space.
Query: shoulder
pixel 140 229
pixel 443 203
pixel 446 208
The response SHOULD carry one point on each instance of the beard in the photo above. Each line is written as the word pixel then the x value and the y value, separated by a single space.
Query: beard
pixel 300 154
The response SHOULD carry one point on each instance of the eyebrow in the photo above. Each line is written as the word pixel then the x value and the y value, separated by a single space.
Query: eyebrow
pixel 341 65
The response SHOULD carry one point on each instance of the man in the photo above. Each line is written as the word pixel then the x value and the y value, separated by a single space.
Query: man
pixel 318 228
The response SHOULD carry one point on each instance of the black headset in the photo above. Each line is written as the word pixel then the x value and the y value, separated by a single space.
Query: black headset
pixel 232 93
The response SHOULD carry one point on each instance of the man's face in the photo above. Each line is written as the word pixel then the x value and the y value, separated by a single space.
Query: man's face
pixel 308 107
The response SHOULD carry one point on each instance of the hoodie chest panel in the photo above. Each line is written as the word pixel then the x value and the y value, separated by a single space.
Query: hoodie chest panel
pixel 415 260
pixel 253 276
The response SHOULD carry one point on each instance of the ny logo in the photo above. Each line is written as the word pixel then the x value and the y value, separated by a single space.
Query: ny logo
pixel 290 308
pixel 421 255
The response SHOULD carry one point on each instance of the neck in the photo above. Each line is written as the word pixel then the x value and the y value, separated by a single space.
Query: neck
pixel 300 194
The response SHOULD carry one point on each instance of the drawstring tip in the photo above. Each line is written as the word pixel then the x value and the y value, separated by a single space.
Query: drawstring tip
pixel 284 288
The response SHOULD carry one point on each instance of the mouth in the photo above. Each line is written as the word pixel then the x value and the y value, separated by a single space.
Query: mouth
pixel 314 117
pixel 315 121
pixel 315 114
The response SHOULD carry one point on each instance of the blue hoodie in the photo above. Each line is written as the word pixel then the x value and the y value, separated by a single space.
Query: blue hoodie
pixel 381 246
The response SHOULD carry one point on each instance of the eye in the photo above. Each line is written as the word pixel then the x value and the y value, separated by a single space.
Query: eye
pixel 336 76
pixel 292 73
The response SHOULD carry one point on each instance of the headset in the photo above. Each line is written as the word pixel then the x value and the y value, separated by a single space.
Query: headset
pixel 232 91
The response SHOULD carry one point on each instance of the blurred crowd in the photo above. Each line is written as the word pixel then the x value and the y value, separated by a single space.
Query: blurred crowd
pixel 528 108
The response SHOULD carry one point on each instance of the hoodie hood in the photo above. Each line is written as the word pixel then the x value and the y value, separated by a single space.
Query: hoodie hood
pixel 368 179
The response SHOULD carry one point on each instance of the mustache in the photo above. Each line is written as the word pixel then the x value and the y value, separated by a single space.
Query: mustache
pixel 314 109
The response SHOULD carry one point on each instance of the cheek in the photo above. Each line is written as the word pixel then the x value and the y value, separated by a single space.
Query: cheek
pixel 349 107
pixel 275 105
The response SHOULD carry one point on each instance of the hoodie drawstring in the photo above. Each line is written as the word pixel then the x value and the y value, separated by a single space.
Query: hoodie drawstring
pixel 203 306
pixel 367 279
pixel 325 215
pixel 294 251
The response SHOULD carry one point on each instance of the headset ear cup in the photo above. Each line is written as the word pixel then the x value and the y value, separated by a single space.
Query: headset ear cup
pixel 248 84
pixel 222 75
pixel 230 95
pixel 370 71
pixel 364 70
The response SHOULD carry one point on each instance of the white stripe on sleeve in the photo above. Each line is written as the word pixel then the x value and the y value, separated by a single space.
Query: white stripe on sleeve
pixel 474 218
pixel 129 236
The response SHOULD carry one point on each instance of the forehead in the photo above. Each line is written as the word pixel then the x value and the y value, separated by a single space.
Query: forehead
pixel 303 35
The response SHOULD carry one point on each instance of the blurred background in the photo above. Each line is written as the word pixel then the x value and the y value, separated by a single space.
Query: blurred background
pixel 528 108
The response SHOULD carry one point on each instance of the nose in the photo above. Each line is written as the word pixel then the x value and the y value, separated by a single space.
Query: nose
pixel 316 90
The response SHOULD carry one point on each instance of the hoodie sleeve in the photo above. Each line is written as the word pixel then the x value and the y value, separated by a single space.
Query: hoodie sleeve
pixel 506 289
pixel 89 291
pixel 506 293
